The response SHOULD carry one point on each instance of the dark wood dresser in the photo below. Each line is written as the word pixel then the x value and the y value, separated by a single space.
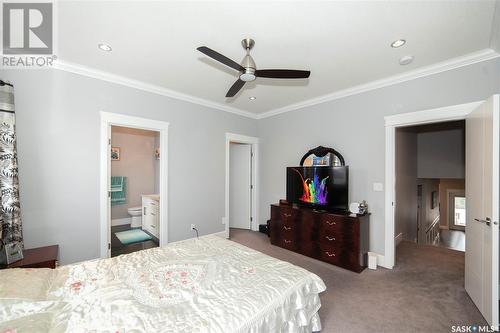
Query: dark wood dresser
pixel 339 239
pixel 40 257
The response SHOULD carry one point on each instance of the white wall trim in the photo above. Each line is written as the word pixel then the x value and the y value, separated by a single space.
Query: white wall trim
pixel 238 138
pixel 122 221
pixel 107 120
pixel 466 60
pixel 155 89
pixel 449 113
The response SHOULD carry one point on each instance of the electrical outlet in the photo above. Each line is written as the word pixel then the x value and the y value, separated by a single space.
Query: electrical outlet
pixel 193 226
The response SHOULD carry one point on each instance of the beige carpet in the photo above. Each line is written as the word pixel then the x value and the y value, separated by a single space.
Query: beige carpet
pixel 423 293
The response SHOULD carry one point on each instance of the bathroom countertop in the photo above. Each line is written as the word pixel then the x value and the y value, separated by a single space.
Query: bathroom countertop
pixel 152 196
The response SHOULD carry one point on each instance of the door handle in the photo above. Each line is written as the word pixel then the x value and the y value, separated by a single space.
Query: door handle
pixel 487 221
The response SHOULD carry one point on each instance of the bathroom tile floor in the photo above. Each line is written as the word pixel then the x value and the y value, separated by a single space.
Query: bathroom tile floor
pixel 118 248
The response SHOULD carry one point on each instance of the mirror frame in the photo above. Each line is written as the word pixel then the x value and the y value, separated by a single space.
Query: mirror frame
pixel 321 151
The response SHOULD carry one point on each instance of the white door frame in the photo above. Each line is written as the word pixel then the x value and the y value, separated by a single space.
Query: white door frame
pixel 254 142
pixel 448 113
pixel 116 119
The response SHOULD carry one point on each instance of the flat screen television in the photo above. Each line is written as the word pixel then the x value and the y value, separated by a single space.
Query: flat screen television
pixel 320 187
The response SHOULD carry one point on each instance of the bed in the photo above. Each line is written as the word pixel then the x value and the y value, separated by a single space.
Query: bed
pixel 208 284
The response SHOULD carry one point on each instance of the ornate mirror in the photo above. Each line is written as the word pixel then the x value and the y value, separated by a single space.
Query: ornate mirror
pixel 322 156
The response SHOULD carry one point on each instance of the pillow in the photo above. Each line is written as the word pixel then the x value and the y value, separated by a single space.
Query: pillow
pixel 25 283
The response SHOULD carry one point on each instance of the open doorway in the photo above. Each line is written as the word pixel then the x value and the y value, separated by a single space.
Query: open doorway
pixel 477 268
pixel 430 184
pixel 122 192
pixel 135 173
pixel 241 179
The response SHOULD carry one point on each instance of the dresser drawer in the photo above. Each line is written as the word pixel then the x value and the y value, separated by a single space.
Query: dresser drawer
pixel 330 222
pixel 288 231
pixel 329 253
pixel 329 237
pixel 341 234
pixel 289 243
pixel 288 214
pixel 339 255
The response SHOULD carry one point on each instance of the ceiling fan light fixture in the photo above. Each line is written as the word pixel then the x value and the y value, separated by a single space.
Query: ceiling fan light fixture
pixel 248 70
pixel 398 43
pixel 247 77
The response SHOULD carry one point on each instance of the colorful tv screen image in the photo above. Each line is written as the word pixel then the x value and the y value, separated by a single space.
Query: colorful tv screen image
pixel 318 186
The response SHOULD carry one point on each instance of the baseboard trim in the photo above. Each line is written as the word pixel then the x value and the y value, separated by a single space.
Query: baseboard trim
pixel 398 239
pixel 381 261
pixel 220 234
pixel 125 220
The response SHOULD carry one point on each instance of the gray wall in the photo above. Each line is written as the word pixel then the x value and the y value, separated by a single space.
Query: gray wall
pixel 354 126
pixel 441 154
pixel 137 163
pixel 406 184
pixel 58 143
pixel 58 128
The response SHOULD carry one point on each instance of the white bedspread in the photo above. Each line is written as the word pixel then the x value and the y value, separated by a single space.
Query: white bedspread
pixel 205 285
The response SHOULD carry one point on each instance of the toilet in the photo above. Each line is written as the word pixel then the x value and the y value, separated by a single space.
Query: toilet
pixel 136 216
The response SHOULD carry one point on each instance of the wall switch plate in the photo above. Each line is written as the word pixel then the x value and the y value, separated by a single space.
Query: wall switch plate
pixel 378 187
pixel 193 226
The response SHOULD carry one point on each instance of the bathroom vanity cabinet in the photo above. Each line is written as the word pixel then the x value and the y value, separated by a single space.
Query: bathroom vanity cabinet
pixel 151 214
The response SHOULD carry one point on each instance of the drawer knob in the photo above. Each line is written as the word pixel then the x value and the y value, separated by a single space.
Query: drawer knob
pixel 330 254
pixel 331 223
pixel 330 238
pixel 287 215
pixel 287 228
pixel 287 241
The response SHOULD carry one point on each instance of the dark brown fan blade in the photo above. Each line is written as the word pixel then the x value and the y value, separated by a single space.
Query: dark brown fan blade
pixel 235 88
pixel 220 58
pixel 282 73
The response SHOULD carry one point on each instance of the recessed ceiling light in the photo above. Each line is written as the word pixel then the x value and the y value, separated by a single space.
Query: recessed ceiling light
pixel 252 98
pixel 406 60
pixel 105 47
pixel 398 43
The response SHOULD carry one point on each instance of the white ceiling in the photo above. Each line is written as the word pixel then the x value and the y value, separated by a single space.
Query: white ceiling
pixel 344 44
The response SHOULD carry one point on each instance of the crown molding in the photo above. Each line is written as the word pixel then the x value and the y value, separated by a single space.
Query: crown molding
pixel 155 89
pixel 469 59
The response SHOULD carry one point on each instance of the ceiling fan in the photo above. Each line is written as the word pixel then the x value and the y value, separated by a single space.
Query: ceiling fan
pixel 248 70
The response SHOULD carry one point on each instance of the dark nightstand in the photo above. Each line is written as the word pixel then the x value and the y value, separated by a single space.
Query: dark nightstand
pixel 40 257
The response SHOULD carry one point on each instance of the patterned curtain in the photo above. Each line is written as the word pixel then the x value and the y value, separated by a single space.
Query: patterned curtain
pixel 10 209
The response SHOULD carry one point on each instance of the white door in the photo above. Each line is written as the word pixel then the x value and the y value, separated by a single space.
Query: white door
pixel 108 203
pixel 240 180
pixel 482 208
